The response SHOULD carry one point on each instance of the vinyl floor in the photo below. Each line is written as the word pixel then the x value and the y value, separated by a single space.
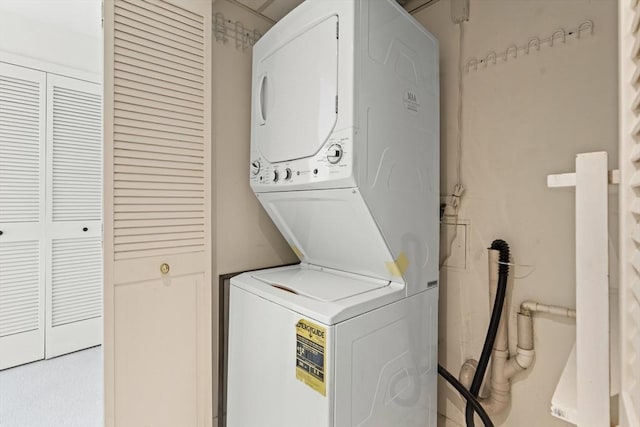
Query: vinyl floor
pixel 62 392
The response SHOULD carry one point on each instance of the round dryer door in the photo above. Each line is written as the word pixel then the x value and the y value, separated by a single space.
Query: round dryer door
pixel 295 93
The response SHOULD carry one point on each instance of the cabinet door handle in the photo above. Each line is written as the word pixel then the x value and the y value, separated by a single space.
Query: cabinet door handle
pixel 85 229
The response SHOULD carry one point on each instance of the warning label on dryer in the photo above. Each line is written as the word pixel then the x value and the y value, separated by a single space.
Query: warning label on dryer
pixel 311 345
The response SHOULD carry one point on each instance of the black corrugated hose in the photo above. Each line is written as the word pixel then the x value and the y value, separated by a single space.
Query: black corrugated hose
pixel 467 395
pixel 503 275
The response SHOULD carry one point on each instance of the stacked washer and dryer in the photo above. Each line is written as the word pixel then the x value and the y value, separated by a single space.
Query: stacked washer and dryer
pixel 345 160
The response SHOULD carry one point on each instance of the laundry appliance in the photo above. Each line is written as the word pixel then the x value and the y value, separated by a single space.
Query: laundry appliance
pixel 345 160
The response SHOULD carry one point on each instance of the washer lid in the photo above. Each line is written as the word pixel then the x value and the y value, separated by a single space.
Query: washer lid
pixel 319 285
pixel 325 295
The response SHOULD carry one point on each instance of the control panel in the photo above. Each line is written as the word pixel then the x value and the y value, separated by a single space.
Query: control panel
pixel 333 161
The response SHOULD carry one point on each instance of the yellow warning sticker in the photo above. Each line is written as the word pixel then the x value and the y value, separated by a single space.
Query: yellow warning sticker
pixel 311 345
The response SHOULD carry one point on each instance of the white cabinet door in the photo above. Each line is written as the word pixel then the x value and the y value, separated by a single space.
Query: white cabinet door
pixel 22 207
pixel 157 312
pixel 74 215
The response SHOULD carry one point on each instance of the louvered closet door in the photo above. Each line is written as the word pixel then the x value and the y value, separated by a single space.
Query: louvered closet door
pixel 22 207
pixel 74 215
pixel 157 213
pixel 629 27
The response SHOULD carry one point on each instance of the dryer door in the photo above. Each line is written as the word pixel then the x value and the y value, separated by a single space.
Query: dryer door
pixel 295 87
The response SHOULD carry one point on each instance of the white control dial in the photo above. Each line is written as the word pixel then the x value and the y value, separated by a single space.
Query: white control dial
pixel 334 154
pixel 275 176
pixel 255 167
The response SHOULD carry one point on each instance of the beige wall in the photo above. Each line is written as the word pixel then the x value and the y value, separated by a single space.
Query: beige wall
pixel 523 120
pixel 245 238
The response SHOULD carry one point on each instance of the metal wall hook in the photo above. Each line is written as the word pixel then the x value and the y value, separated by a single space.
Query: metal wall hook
pixel 585 26
pixel 224 29
pixel 533 43
pixel 473 62
pixel 491 56
pixel 245 40
pixel 514 50
pixel 560 33
pixel 511 50
pixel 220 28
pixel 239 29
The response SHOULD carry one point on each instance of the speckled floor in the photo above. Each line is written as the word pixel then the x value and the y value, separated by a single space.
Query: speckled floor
pixel 61 392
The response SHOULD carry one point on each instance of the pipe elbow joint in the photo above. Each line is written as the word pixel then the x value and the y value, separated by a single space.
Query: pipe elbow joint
pixel 467 372
pixel 522 360
pixel 495 405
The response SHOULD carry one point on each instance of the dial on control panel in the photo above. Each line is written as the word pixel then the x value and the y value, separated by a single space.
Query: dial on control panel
pixel 334 154
pixel 255 167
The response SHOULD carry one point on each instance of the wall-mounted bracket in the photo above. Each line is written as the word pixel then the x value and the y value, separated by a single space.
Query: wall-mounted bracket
pixel 459 11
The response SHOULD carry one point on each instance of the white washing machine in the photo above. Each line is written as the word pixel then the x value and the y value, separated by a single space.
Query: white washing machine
pixel 345 159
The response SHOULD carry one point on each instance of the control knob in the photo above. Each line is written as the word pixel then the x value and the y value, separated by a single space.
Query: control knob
pixel 334 154
pixel 275 176
pixel 255 167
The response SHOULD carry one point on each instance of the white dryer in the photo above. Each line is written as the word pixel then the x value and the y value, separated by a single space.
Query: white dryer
pixel 345 159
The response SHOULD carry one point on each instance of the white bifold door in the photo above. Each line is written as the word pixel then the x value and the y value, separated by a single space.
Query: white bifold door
pixel 74 215
pixel 50 215
pixel 22 214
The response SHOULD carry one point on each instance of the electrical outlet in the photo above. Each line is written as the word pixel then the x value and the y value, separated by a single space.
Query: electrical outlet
pixel 459 11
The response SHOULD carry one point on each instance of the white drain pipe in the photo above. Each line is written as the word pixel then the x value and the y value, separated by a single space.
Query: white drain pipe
pixel 536 307
pixel 505 366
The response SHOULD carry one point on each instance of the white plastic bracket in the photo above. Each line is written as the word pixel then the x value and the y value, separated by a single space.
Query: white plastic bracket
pixel 569 179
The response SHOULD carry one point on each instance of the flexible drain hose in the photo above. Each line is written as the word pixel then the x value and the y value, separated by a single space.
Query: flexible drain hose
pixel 503 275
pixel 467 395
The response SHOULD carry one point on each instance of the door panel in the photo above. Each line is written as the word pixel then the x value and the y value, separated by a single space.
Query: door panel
pixel 157 350
pixel 295 93
pixel 22 161
pixel 21 329
pixel 74 215
pixel 157 213
pixel 74 312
